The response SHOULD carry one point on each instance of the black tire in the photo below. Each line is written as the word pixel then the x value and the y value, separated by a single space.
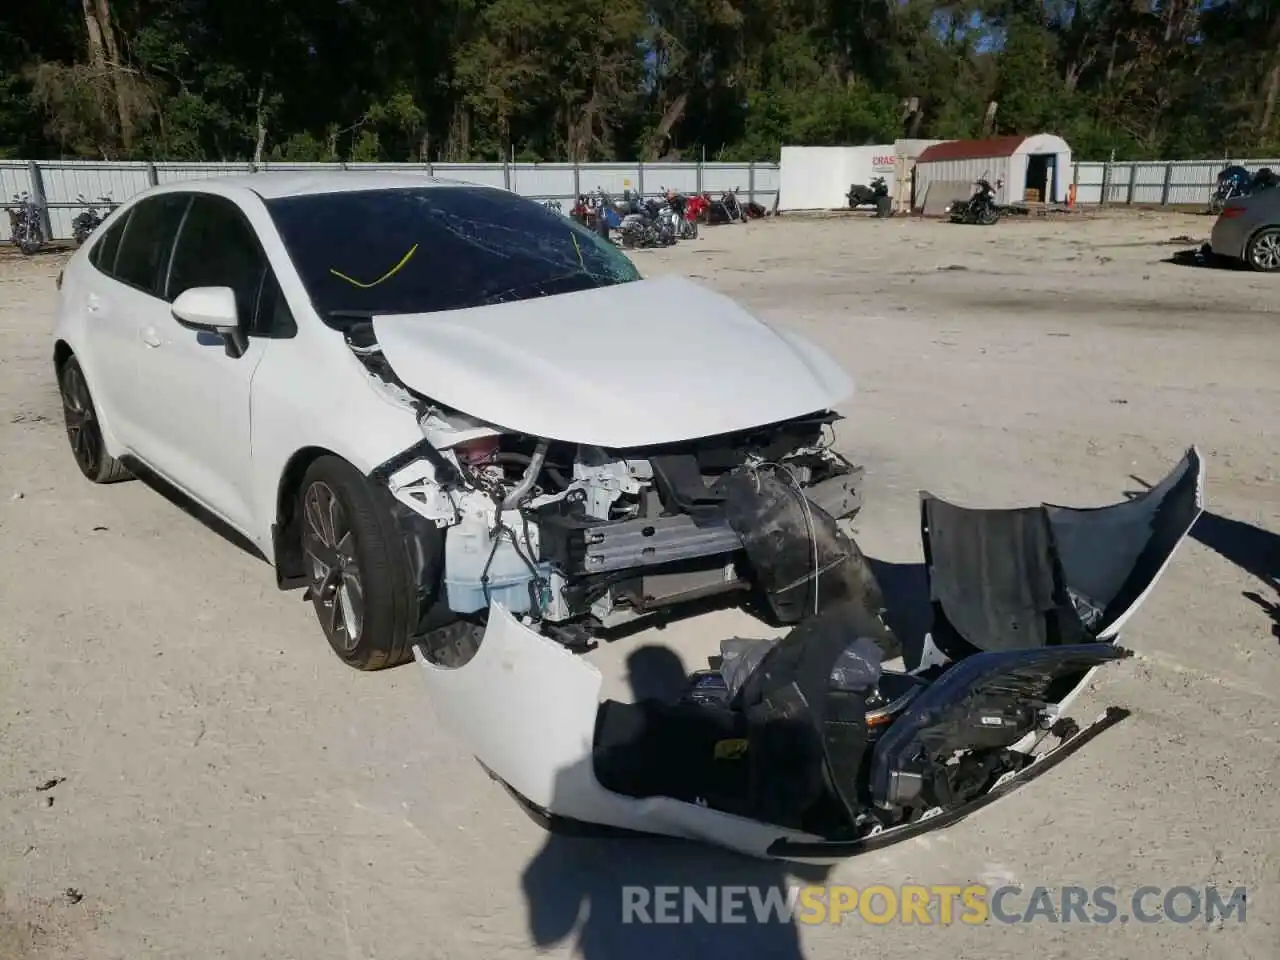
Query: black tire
pixel 1262 253
pixel 84 432
pixel 884 207
pixel 361 582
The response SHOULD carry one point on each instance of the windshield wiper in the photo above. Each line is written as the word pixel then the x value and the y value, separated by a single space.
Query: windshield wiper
pixel 345 319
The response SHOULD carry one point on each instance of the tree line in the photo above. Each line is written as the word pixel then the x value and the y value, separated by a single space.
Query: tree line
pixel 556 80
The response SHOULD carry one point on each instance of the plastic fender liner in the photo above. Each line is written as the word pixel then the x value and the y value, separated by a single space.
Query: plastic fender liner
pixel 1023 673
pixel 832 851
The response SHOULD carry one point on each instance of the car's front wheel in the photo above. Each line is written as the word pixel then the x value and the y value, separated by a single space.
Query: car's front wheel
pixel 84 432
pixel 1263 251
pixel 358 571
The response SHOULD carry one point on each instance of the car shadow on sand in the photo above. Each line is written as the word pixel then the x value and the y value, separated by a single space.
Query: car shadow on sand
pixel 639 897
pixel 645 898
pixel 1200 257
pixel 1253 549
pixel 211 521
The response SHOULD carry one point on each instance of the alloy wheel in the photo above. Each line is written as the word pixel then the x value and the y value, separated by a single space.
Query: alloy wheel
pixel 1265 250
pixel 82 424
pixel 337 587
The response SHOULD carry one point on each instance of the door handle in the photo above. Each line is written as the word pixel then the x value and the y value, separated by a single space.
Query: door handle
pixel 150 337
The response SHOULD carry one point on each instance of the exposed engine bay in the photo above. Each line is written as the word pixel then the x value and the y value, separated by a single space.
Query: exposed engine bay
pixel 580 537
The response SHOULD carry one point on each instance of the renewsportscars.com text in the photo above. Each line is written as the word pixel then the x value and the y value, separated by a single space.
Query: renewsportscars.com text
pixel 938 904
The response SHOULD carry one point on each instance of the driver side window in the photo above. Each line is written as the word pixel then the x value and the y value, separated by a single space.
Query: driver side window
pixel 217 248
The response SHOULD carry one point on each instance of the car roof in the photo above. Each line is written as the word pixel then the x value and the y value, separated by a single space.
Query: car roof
pixel 272 185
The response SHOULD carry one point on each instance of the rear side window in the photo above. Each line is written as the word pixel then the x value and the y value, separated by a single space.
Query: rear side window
pixel 103 254
pixel 218 248
pixel 148 239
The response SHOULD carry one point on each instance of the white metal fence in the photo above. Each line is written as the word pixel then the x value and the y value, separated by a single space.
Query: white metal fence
pixel 1154 182
pixel 61 184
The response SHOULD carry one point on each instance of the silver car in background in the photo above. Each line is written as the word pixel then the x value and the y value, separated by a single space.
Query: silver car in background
pixel 1248 229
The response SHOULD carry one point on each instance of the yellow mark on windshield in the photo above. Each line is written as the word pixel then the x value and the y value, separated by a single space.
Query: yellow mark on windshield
pixel 579 249
pixel 386 276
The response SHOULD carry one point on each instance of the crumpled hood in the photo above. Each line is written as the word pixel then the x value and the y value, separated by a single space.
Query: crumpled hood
pixel 648 362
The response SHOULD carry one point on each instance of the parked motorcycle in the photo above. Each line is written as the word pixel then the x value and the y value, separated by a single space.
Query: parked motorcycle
pixel 662 216
pixel 1264 179
pixel 597 212
pixel 729 200
pixel 1236 181
pixel 85 223
pixel 26 224
pixel 553 205
pixel 686 218
pixel 874 195
pixel 645 223
pixel 1233 181
pixel 981 208
pixel 726 209
pixel 697 209
pixel 683 221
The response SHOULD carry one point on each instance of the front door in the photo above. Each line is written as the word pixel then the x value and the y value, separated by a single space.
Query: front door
pixel 203 428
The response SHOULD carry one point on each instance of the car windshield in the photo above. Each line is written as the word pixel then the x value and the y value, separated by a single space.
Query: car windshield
pixel 421 250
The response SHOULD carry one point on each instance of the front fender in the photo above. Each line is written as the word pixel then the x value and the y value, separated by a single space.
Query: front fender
pixel 354 420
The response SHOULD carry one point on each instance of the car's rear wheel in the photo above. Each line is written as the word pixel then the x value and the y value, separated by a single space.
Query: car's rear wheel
pixel 1263 251
pixel 358 571
pixel 84 432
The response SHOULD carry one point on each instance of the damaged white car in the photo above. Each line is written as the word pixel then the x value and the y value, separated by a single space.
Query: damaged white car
pixel 420 399
pixel 476 436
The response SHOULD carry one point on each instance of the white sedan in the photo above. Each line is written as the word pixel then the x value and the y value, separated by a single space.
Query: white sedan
pixel 472 431
pixel 416 397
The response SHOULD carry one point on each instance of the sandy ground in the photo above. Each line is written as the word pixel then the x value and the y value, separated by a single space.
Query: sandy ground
pixel 231 790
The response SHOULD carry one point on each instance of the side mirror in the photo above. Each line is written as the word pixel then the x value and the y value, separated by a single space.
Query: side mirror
pixel 212 310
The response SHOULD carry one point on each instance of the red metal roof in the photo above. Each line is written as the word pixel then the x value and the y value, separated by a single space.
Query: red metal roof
pixel 971 149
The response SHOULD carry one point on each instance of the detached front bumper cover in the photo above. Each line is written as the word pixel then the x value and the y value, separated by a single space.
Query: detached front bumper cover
pixel 531 712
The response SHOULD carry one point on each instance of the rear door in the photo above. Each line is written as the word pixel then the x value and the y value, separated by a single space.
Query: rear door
pixel 109 334
pixel 131 260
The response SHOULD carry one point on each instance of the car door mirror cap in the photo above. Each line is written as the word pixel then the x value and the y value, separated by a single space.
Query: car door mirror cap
pixel 207 308
pixel 212 309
